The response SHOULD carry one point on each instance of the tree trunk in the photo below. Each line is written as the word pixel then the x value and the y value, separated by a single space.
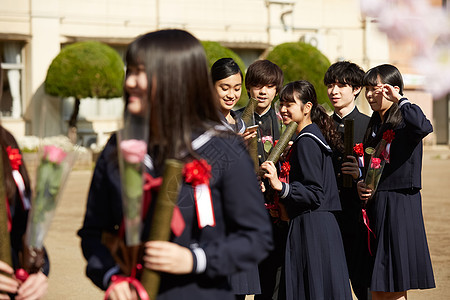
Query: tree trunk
pixel 72 131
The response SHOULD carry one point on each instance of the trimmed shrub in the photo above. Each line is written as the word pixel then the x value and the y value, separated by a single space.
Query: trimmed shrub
pixel 303 61
pixel 86 69
pixel 215 51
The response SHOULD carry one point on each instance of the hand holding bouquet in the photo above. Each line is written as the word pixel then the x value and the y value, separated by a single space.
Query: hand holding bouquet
pixel 379 156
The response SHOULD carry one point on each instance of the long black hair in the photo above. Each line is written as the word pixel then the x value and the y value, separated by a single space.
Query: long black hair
pixel 180 90
pixel 7 139
pixel 224 68
pixel 305 92
pixel 387 74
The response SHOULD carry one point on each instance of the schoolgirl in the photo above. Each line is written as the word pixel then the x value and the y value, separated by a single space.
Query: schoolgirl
pixel 227 79
pixel 401 258
pixel 167 70
pixel 315 266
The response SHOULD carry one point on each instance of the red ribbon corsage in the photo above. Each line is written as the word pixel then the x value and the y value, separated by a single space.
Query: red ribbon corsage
pixel 389 136
pixel 284 170
pixel 359 151
pixel 15 158
pixel 198 173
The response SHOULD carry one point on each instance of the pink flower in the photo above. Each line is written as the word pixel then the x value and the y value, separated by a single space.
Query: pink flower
pixel 376 163
pixel 54 154
pixel 267 138
pixel 133 150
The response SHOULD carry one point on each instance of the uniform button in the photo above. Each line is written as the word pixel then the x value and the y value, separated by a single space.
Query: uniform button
pixel 116 227
pixel 338 175
pixel 259 156
pixel 341 125
pixel 259 140
pixel 260 122
pixel 339 158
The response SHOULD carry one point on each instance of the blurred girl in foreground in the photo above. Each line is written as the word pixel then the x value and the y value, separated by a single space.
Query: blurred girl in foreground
pixel 168 71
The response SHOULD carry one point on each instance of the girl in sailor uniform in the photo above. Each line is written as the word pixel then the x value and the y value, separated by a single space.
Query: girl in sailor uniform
pixel 401 259
pixel 315 266
pixel 18 193
pixel 227 79
pixel 226 228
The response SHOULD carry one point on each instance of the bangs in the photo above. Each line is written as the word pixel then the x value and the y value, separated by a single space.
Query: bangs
pixel 370 78
pixel 134 54
pixel 287 94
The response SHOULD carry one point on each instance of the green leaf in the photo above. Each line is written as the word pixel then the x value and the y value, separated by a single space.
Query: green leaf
pixel 267 146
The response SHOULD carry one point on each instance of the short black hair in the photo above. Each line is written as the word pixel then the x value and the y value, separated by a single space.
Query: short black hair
pixel 264 72
pixel 344 72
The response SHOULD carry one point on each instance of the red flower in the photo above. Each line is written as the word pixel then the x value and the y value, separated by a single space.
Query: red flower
pixel 284 169
pixel 197 172
pixel 388 135
pixel 15 158
pixel 359 149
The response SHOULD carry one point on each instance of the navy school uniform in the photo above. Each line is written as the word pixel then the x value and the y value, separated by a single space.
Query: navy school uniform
pixel 239 240
pixel 245 282
pixel 315 266
pixel 354 232
pixel 402 259
pixel 270 268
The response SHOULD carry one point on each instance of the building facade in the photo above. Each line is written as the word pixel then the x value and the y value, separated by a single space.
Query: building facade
pixel 32 33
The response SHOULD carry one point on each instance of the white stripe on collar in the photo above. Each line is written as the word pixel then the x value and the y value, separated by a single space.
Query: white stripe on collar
pixel 196 144
pixel 316 138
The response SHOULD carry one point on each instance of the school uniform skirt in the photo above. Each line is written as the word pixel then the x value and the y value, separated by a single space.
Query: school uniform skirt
pixel 401 256
pixel 246 282
pixel 315 266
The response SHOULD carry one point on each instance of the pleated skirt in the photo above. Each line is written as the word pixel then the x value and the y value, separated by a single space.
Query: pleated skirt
pixel 315 266
pixel 401 256
pixel 245 282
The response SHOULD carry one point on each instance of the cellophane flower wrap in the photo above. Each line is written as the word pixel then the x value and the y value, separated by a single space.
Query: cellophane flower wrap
pixel 56 158
pixel 379 157
pixel 132 145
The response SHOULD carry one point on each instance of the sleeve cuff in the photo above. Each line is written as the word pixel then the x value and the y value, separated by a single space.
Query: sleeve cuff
pixel 284 190
pixel 199 257
pixel 107 277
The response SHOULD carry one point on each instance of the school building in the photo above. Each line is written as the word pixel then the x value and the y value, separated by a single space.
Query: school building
pixel 32 32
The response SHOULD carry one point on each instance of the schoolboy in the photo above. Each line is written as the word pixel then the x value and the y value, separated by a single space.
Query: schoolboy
pixel 344 82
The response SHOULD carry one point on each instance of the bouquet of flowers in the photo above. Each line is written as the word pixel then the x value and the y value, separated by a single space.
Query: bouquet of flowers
pixel 132 147
pixel 55 163
pixel 379 156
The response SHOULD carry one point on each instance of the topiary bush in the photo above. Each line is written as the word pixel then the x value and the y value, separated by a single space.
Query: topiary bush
pixel 85 69
pixel 215 51
pixel 299 61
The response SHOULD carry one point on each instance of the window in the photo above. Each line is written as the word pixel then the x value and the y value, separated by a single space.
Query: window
pixel 11 56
